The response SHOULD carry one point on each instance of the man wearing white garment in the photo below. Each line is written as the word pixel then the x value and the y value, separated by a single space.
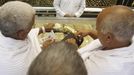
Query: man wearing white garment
pixel 18 41
pixel 113 52
pixel 69 8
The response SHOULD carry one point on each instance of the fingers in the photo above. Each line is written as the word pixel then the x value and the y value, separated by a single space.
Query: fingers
pixel 47 43
pixel 49 27
pixel 82 33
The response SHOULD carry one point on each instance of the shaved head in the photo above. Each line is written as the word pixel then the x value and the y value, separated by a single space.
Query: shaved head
pixel 118 20
pixel 15 16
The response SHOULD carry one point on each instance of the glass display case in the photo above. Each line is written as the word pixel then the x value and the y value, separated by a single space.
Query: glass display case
pixel 46 14
pixel 75 24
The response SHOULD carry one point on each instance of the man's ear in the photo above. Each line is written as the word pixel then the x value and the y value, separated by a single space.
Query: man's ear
pixel 109 37
pixel 21 34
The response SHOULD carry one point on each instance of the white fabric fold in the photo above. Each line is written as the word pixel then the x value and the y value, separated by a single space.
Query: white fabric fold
pixel 71 7
pixel 17 55
pixel 119 61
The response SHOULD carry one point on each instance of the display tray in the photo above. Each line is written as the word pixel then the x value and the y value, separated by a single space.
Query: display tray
pixel 75 23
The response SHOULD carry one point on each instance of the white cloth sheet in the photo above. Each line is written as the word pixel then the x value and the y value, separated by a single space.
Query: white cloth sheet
pixel 118 61
pixel 17 55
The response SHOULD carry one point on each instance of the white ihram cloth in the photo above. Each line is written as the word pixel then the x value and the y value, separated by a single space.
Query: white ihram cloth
pixel 71 7
pixel 17 55
pixel 119 61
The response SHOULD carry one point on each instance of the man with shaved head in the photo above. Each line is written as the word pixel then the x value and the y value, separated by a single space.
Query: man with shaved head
pixel 60 58
pixel 18 41
pixel 113 52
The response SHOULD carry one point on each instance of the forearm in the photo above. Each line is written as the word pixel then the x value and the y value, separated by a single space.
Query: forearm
pixel 93 34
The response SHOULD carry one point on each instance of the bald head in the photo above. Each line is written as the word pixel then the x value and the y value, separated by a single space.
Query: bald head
pixel 15 16
pixel 60 58
pixel 118 20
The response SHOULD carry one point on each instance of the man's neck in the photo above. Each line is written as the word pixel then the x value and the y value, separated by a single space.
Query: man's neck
pixel 118 45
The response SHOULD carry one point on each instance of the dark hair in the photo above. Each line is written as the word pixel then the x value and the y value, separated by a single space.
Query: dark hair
pixel 60 58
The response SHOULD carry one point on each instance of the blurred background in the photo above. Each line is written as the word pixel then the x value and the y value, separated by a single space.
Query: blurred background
pixel 89 3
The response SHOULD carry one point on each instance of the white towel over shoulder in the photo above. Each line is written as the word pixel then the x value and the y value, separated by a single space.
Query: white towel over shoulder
pixel 17 55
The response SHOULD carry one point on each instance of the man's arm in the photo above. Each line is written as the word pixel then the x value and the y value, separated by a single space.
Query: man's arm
pixel 56 5
pixel 92 33
pixel 81 9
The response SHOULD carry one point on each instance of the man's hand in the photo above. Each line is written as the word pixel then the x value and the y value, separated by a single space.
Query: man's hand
pixel 48 43
pixel 92 33
pixel 71 41
pixel 46 28
pixel 83 32
pixel 67 15
pixel 49 27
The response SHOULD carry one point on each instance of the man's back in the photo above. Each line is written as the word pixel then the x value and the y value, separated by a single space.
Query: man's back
pixel 18 43
pixel 17 55
pixel 118 61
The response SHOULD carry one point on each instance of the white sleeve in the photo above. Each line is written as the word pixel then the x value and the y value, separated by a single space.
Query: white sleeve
pixel 34 32
pixel 33 37
pixel 81 9
pixel 91 46
pixel 56 5
pixel 85 51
